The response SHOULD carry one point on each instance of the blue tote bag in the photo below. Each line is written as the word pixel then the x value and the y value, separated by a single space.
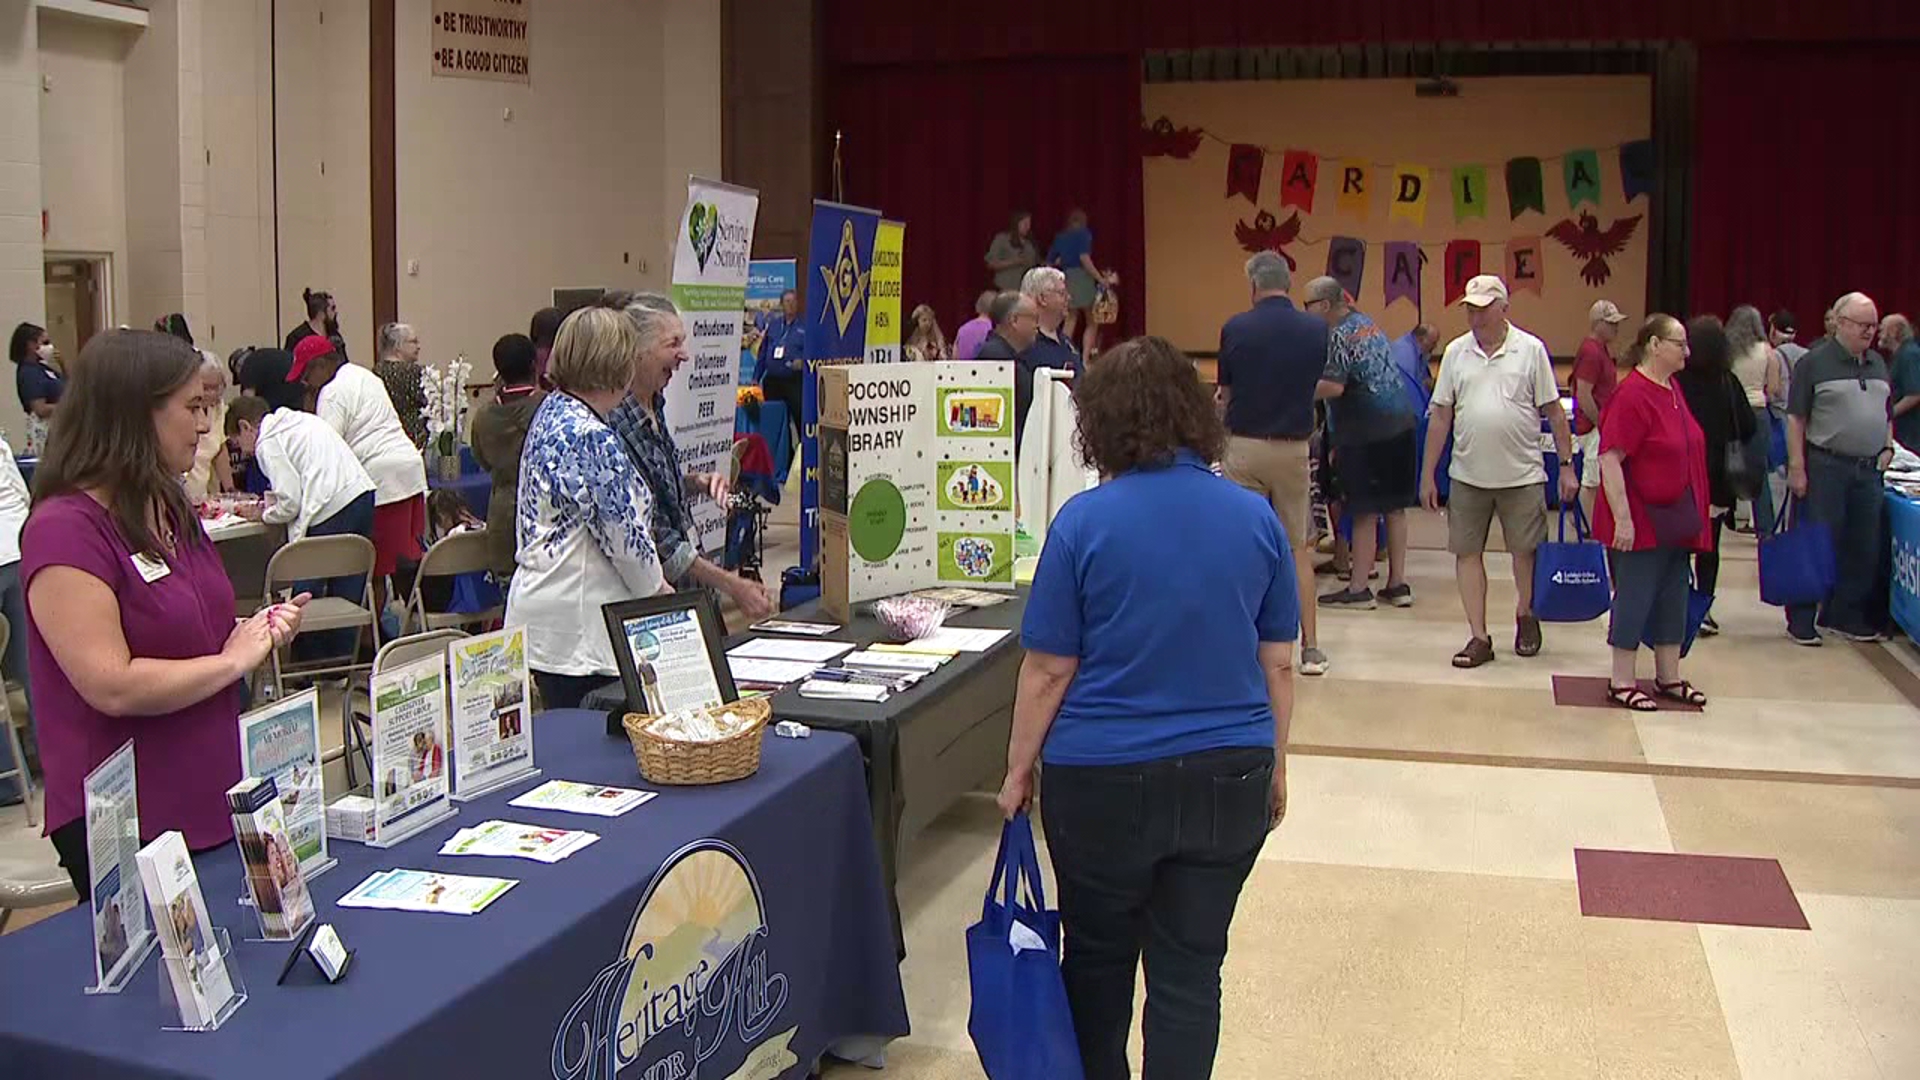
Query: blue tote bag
pixel 1020 1022
pixel 1570 576
pixel 1699 606
pixel 1796 560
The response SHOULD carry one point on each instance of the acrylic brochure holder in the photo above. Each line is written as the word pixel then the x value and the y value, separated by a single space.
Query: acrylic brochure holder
pixel 246 897
pixel 494 784
pixel 413 828
pixel 174 971
pixel 136 959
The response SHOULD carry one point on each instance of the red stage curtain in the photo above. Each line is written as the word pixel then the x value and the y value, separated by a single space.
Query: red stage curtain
pixel 1808 179
pixel 951 150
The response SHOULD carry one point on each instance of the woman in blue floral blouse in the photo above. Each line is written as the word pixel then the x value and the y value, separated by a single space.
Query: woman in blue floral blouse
pixel 581 524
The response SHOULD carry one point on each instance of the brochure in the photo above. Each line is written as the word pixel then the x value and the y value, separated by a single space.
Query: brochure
pixel 569 797
pixel 790 626
pixel 507 839
pixel 811 652
pixel 967 598
pixel 120 931
pixel 279 892
pixel 958 639
pixel 755 671
pixel 409 746
pixel 418 890
pixel 199 972
pixel 670 658
pixel 492 717
pixel 281 742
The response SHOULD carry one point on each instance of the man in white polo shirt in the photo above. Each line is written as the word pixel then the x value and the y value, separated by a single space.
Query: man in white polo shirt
pixel 1494 385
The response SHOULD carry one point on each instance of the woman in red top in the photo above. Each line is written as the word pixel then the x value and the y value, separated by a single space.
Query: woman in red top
pixel 1653 472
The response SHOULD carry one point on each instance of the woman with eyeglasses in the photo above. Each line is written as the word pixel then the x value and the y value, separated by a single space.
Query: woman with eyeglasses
pixel 1653 514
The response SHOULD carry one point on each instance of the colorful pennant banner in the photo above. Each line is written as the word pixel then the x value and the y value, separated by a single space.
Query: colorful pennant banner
pixel 1459 265
pixel 1404 260
pixel 1353 191
pixel 1636 169
pixel 1525 188
pixel 1300 175
pixel 1469 192
pixel 1409 194
pixel 1526 269
pixel 1347 262
pixel 1244 164
pixel 1582 169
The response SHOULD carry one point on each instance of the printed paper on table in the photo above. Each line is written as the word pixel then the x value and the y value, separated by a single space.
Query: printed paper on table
pixel 281 742
pixel 409 744
pixel 492 710
pixel 120 930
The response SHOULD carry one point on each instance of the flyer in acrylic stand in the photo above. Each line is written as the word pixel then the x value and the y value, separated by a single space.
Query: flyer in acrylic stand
pixel 281 742
pixel 492 716
pixel 409 749
pixel 122 937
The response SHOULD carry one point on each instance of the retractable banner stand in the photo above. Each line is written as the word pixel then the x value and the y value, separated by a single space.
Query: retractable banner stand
pixel 710 263
pixel 839 266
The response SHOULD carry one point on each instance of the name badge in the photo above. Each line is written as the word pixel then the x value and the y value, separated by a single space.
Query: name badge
pixel 779 352
pixel 151 568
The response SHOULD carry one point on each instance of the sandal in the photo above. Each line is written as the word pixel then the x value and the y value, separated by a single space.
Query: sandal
pixel 1526 636
pixel 1477 651
pixel 1631 698
pixel 1683 692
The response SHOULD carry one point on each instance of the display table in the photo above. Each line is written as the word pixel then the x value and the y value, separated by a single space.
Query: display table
pixel 1902 521
pixel 778 870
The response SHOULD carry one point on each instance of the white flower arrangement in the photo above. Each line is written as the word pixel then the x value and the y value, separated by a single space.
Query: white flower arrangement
pixel 445 391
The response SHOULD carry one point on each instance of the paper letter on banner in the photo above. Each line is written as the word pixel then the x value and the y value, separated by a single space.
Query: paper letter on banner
pixel 1244 165
pixel 1525 189
pixel 1353 191
pixel 1469 192
pixel 1301 173
pixel 1636 169
pixel 1526 270
pixel 1404 259
pixel 883 294
pixel 1583 178
pixel 710 288
pixel 1409 194
pixel 1347 263
pixel 1461 264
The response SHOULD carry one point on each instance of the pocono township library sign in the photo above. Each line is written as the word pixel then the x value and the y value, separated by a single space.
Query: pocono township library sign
pixel 481 39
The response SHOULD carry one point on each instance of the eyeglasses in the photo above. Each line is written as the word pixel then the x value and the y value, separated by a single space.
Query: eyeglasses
pixel 1861 323
pixel 1680 341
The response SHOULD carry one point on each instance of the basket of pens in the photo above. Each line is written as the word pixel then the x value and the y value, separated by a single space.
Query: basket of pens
pixel 710 745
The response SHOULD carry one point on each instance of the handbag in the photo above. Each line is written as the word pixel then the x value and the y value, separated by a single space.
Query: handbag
pixel 1019 1020
pixel 1570 577
pixel 1106 306
pixel 1742 478
pixel 1796 561
pixel 1675 524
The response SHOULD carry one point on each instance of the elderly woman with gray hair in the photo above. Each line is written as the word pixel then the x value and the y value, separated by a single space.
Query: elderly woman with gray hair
pixel 641 421
pixel 399 368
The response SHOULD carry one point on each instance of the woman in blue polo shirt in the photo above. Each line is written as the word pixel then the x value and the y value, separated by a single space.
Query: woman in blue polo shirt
pixel 1158 690
pixel 39 385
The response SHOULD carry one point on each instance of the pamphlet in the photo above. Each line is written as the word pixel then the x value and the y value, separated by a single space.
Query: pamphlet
pixel 958 639
pixel 756 671
pixel 967 598
pixel 121 937
pixel 507 839
pixel 279 892
pixel 199 974
pixel 418 890
pixel 281 742
pixel 492 719
pixel 845 691
pixel 409 746
pixel 812 652
pixel 569 797
pixel 670 657
pixel 790 626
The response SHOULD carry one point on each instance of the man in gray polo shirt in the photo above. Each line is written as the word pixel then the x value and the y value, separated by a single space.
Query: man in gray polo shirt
pixel 1838 441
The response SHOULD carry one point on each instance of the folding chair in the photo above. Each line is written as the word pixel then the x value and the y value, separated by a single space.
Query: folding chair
pixel 402 650
pixel 319 557
pixel 24 885
pixel 13 741
pixel 460 553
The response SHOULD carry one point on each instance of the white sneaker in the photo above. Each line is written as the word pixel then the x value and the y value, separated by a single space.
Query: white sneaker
pixel 1313 662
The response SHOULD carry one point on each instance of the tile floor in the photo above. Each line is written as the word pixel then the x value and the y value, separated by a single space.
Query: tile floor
pixel 1418 914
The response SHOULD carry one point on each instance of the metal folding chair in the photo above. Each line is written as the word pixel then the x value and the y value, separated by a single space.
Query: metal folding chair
pixel 399 651
pixel 460 553
pixel 19 769
pixel 318 557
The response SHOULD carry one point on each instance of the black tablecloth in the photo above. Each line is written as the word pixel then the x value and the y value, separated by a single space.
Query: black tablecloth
pixel 764 891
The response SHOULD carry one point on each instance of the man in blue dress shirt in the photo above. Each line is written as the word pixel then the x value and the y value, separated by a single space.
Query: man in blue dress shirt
pixel 783 351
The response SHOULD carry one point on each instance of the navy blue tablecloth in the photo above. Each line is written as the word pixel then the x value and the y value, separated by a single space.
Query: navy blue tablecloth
pixel 739 920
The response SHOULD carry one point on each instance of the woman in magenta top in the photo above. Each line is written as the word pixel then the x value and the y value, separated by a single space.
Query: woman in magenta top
pixel 131 632
pixel 1653 466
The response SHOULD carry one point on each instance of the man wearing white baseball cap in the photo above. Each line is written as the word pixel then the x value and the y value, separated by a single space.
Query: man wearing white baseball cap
pixel 1494 385
pixel 1594 378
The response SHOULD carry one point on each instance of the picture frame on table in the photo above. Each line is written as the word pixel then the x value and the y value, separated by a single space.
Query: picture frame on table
pixel 671 653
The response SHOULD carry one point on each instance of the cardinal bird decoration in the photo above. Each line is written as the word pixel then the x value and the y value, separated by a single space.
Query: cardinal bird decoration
pixel 1268 234
pixel 1162 139
pixel 1587 241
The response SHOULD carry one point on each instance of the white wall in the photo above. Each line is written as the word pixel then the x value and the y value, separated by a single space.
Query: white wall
pixel 236 87
pixel 583 186
pixel 82 140
pixel 22 273
pixel 155 284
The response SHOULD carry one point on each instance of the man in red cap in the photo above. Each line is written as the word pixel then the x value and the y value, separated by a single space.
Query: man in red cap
pixel 354 402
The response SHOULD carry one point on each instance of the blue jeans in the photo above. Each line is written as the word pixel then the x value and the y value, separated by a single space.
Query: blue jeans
pixel 1845 494
pixel 355 519
pixel 13 604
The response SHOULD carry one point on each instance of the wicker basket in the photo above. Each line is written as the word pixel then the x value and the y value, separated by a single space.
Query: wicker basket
pixel 677 762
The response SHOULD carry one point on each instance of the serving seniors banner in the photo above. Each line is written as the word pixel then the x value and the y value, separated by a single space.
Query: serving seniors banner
pixel 839 264
pixel 710 261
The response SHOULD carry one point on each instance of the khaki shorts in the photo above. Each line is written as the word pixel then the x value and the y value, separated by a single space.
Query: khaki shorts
pixel 1588 447
pixel 1470 513
pixel 1281 471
